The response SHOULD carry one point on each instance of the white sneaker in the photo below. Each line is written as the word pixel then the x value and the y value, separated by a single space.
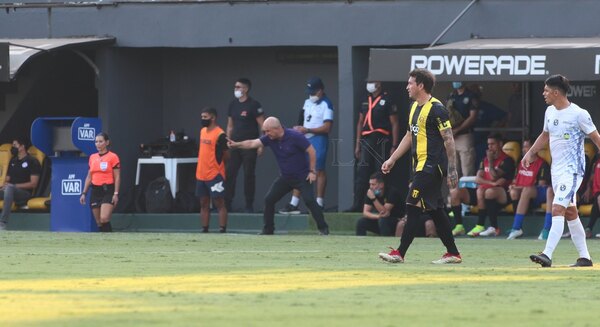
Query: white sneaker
pixel 490 231
pixel 515 233
pixel 597 235
pixel 448 258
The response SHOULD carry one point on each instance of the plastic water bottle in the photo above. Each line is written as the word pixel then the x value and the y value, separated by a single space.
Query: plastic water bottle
pixel 172 136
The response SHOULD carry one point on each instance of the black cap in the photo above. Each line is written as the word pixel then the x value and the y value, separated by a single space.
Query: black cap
pixel 314 84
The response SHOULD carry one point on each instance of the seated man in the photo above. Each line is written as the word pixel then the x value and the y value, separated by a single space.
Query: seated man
pixel 594 191
pixel 380 209
pixel 426 229
pixel 493 177
pixel 528 186
pixel 22 178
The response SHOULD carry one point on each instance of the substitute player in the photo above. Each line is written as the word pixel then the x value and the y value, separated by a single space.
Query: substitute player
pixel 429 136
pixel 104 177
pixel 565 127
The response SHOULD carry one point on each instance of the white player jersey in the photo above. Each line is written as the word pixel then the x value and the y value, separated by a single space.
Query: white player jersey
pixel 316 114
pixel 567 129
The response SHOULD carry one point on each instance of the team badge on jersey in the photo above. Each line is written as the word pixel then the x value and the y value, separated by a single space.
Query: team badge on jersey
pixel 103 165
pixel 563 187
pixel 415 194
pixel 382 102
pixel 555 122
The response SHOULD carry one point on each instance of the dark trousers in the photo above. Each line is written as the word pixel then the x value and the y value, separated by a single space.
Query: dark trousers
pixel 374 150
pixel 11 194
pixel 382 226
pixel 282 186
pixel 237 159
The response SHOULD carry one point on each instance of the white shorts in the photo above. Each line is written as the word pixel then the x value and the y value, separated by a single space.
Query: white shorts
pixel 565 189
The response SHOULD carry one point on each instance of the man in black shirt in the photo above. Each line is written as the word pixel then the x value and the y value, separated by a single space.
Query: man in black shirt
pixel 22 178
pixel 382 209
pixel 245 117
pixel 376 138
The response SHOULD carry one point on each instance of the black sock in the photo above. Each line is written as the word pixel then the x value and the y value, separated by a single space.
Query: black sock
pixel 204 229
pixel 413 218
pixel 442 226
pixel 106 227
pixel 515 204
pixel 457 210
pixel 223 229
pixel 493 208
pixel 482 215
pixel 593 215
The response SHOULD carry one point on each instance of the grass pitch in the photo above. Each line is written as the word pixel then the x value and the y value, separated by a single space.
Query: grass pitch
pixel 136 279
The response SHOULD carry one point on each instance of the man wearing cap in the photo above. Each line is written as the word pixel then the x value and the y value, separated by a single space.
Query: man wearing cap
pixel 315 121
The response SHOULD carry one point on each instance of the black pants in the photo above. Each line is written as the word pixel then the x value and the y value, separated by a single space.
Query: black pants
pixel 374 150
pixel 282 186
pixel 382 226
pixel 239 157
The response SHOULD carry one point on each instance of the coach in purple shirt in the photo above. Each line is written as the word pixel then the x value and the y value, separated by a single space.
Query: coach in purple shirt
pixel 296 158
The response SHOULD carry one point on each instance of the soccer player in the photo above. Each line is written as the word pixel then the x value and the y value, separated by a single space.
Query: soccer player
pixel 430 139
pixel 565 127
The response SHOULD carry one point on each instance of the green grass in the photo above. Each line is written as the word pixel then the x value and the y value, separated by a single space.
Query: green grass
pixel 137 279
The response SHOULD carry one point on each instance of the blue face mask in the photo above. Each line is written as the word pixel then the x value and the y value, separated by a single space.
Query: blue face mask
pixel 456 85
pixel 377 192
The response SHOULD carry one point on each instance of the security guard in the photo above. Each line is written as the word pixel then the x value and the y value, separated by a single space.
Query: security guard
pixel 376 138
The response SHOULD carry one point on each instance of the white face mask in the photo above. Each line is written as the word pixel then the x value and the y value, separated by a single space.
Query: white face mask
pixel 238 94
pixel 314 98
pixel 371 87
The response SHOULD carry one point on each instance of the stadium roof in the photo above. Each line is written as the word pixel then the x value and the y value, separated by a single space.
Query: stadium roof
pixel 526 59
pixel 15 52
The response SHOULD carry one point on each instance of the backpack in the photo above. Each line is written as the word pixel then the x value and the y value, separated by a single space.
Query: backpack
pixel 158 196
pixel 186 202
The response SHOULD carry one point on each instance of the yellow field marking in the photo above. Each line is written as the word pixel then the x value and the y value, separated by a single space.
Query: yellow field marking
pixel 44 300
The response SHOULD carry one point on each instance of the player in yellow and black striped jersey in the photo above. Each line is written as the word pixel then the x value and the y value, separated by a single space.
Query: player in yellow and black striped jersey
pixel 430 139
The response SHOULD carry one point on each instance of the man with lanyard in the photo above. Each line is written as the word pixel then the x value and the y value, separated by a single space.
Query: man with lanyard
pixel 245 118
pixel 495 173
pixel 376 138
pixel 315 122
pixel 22 178
pixel 529 184
pixel 429 137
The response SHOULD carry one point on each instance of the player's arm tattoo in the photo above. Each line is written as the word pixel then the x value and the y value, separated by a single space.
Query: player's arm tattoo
pixel 448 138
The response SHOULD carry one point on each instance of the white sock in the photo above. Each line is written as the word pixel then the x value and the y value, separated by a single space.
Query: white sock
pixel 320 201
pixel 295 201
pixel 578 237
pixel 556 231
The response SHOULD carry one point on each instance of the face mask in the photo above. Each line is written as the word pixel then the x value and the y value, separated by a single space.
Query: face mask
pixel 377 192
pixel 205 122
pixel 371 87
pixel 14 151
pixel 313 98
pixel 238 94
pixel 456 85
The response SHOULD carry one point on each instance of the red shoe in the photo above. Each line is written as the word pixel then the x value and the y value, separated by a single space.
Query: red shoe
pixel 393 257
pixel 448 258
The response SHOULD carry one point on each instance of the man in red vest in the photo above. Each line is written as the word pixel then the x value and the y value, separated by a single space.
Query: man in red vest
pixel 495 174
pixel 210 172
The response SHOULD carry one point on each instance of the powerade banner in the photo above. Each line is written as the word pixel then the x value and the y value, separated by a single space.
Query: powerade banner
pixel 578 64
pixel 4 63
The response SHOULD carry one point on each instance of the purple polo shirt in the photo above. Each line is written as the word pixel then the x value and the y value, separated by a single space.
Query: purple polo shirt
pixel 290 152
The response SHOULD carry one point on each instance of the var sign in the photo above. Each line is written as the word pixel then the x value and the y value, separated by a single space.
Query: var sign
pixel 71 186
pixel 86 133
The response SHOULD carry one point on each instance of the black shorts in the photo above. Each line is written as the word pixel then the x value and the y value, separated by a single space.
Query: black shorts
pixel 426 189
pixel 102 194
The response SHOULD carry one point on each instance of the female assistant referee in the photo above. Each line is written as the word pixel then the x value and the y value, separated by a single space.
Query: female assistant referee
pixel 105 179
